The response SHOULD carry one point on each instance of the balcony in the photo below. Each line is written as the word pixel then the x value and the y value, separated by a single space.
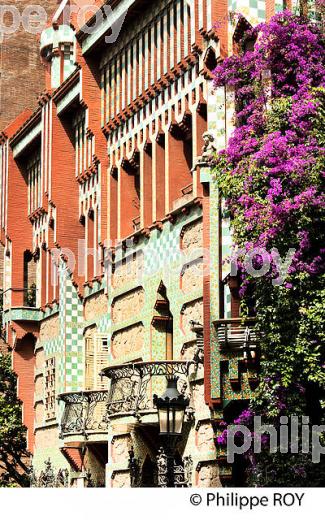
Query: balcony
pixel 21 304
pixel 236 334
pixel 84 413
pixel 133 385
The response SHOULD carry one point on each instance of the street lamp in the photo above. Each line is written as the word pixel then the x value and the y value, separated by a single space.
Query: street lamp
pixel 171 408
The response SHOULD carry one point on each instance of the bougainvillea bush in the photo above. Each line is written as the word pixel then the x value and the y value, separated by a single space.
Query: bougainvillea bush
pixel 271 176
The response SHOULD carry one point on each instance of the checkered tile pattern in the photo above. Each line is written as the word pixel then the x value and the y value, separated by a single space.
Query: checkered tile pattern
pixel 226 243
pixel 279 6
pixel 53 346
pixel 163 249
pixel 253 10
pixel 216 115
pixel 104 323
pixel 74 364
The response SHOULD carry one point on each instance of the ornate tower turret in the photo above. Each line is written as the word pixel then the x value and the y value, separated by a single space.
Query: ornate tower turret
pixel 58 53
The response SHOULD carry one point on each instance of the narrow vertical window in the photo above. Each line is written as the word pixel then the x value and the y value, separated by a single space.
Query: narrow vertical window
pixel 50 394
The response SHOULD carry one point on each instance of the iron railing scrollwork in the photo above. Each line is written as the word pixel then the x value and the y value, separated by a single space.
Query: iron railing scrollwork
pixel 182 472
pixel 84 412
pixel 49 477
pixel 133 385
pixel 131 392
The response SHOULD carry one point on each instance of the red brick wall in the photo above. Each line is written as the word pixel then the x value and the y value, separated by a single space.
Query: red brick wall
pixel 19 227
pixel 22 75
pixel 68 228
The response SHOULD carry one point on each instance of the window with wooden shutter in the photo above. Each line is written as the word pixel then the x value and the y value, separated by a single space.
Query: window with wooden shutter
pixel 101 360
pixel 96 358
pixel 90 363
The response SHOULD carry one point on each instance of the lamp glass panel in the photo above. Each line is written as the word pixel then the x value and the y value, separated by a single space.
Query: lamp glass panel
pixel 163 420
pixel 178 423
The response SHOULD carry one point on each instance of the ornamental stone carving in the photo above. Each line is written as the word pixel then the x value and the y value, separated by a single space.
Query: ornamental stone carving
pixel 208 476
pixel 192 236
pixel 39 359
pixel 128 340
pixel 208 150
pixel 49 328
pixel 39 386
pixel 120 448
pixel 205 438
pixel 188 351
pixel 47 437
pixel 192 311
pixel 198 398
pixel 39 413
pixel 127 305
pixel 192 277
pixel 95 306
pixel 121 480
pixel 129 271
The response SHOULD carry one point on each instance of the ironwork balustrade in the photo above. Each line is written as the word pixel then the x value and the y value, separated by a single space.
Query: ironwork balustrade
pixel 49 477
pixel 28 295
pixel 237 334
pixel 84 412
pixel 182 471
pixel 133 384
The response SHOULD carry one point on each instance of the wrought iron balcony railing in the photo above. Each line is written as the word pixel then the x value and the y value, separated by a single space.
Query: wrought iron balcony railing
pixel 237 334
pixel 27 296
pixel 133 384
pixel 84 413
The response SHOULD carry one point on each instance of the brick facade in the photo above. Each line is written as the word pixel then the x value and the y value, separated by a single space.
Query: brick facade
pixel 116 140
pixel 22 76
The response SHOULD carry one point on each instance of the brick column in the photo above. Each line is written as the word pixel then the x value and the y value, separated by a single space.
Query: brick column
pixel 146 185
pixel 199 127
pixel 90 246
pixel 129 204
pixel 179 169
pixel 113 204
pixel 19 228
pixel 43 260
pixel 160 187
pixel 269 8
pixel 220 18
pixel 68 228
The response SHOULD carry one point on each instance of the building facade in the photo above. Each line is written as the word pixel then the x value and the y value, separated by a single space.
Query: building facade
pixel 21 73
pixel 113 241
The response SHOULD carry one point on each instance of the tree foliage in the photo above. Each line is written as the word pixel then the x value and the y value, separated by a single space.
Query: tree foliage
pixel 13 452
pixel 272 178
